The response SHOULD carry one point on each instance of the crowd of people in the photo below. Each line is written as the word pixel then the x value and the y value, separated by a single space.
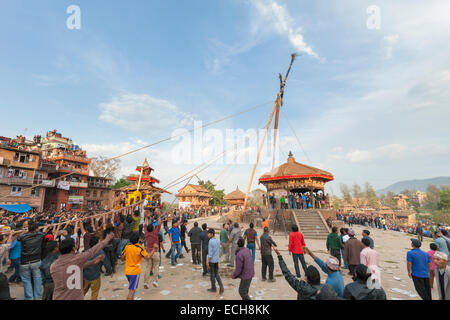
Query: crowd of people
pixel 424 268
pixel 64 256
pixel 298 200
pixel 422 229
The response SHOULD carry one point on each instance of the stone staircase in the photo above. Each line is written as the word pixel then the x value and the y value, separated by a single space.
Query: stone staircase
pixel 311 224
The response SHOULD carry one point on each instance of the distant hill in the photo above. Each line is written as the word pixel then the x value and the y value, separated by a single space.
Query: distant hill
pixel 419 185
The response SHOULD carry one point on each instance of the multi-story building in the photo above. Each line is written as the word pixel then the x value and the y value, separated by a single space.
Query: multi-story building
pixel 420 197
pixel 70 174
pixel 19 164
pixel 99 195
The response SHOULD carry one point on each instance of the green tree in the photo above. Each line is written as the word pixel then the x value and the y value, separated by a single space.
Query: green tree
pixel 217 195
pixel 346 193
pixel 390 201
pixel 371 196
pixel 336 202
pixel 441 216
pixel 432 197
pixel 356 191
pixel 122 182
pixel 444 200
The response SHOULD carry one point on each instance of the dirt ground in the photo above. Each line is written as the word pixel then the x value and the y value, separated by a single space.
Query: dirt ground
pixel 185 281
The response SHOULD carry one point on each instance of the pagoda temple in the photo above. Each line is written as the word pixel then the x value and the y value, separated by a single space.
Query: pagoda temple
pixel 142 188
pixel 235 198
pixel 295 177
pixel 193 196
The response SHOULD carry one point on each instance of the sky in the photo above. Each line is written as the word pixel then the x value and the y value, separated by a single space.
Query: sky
pixel 367 98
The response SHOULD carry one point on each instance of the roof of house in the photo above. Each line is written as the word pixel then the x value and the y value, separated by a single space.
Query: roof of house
pixel 199 191
pixel 235 195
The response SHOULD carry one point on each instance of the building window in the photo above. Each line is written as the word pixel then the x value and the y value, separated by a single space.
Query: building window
pixel 22 157
pixel 16 191
pixel 101 194
pixel 87 193
pixel 36 192
pixel 73 192
pixel 94 193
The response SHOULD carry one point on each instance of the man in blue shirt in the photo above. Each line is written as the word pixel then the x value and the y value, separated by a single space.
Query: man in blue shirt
pixel 174 234
pixel 331 268
pixel 418 264
pixel 213 261
pixel 14 257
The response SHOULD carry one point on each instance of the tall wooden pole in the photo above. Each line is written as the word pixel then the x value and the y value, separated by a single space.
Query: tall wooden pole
pixel 276 108
pixel 140 177
pixel 282 85
pixel 259 153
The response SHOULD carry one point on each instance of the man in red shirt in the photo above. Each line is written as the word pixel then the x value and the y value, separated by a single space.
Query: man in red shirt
pixel 296 244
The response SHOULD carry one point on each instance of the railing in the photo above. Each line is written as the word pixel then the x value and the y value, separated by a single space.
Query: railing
pixel 4 162
pixel 98 185
pixel 78 184
pixel 66 156
pixel 19 181
pixel 44 183
pixel 67 169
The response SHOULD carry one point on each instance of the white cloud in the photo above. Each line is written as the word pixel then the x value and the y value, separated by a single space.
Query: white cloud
pixel 268 17
pixel 272 16
pixel 143 113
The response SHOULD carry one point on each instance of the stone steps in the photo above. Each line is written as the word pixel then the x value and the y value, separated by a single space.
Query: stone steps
pixel 312 225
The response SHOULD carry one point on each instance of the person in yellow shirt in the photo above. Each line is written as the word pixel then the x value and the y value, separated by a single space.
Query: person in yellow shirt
pixel 133 254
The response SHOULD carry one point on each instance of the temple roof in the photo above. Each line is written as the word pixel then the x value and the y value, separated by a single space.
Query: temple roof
pixel 293 170
pixel 235 195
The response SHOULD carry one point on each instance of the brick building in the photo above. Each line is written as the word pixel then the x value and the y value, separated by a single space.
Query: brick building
pixel 99 195
pixel 17 169
pixel 69 190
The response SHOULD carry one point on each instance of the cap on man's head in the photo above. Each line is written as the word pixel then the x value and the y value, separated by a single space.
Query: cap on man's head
pixel 416 242
pixel 351 232
pixel 333 263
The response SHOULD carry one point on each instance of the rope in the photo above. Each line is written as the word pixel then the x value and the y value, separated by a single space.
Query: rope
pixel 298 140
pixel 155 143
